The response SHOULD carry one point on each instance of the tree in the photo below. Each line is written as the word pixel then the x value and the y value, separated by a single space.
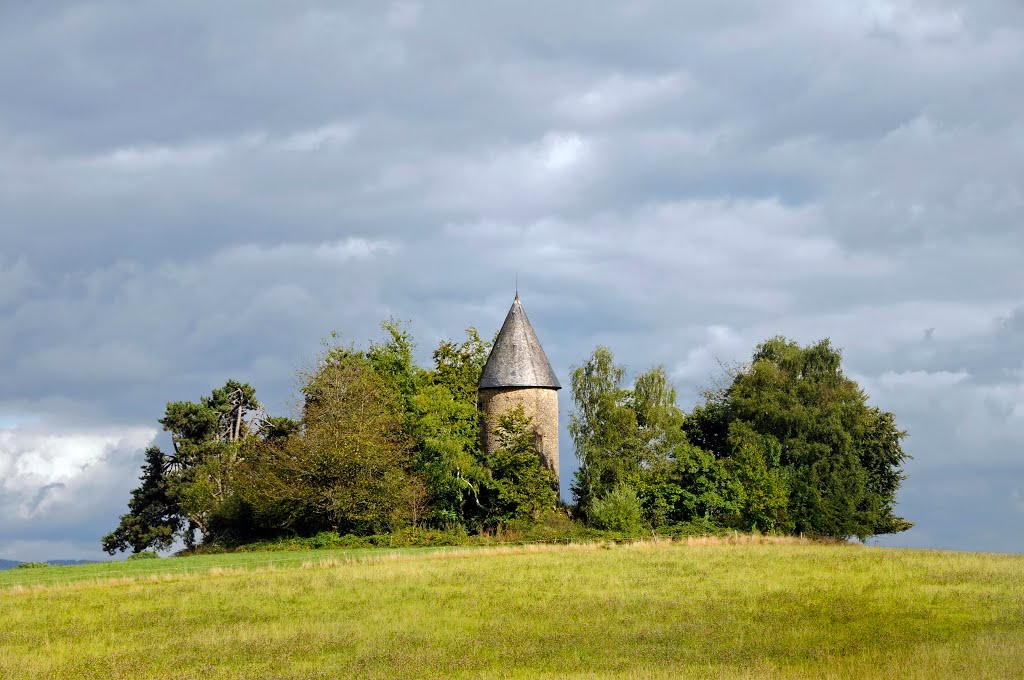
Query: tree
pixel 458 365
pixel 440 415
pixel 153 519
pixel 633 438
pixel 206 436
pixel 446 432
pixel 796 426
pixel 520 486
pixel 347 469
pixel 190 489
pixel 392 361
pixel 279 428
pixel 603 428
pixel 755 462
pixel 703 488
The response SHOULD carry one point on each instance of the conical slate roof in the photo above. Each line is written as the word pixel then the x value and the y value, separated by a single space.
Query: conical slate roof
pixel 517 359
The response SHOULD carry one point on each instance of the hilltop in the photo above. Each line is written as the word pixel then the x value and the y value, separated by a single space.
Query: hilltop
pixel 745 606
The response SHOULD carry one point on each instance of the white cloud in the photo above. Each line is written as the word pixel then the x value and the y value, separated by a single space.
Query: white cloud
pixel 721 347
pixel 33 460
pixel 561 152
pixel 332 134
pixel 331 252
pixel 618 96
pixel 149 158
pixel 200 154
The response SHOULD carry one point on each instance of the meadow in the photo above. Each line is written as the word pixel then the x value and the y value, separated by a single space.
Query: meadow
pixel 714 607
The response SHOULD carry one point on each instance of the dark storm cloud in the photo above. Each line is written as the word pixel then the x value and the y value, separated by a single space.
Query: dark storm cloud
pixel 192 192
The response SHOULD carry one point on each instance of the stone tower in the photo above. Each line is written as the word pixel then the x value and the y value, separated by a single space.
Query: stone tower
pixel 518 372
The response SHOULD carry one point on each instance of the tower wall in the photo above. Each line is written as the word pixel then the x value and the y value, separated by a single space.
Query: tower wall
pixel 539 403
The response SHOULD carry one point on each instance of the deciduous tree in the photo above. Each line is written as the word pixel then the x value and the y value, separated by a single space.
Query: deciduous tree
pixel 347 469
pixel 519 486
pixel 795 424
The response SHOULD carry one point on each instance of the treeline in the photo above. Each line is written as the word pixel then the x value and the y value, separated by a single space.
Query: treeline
pixel 787 444
pixel 381 444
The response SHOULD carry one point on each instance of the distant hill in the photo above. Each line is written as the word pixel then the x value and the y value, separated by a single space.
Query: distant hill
pixel 11 564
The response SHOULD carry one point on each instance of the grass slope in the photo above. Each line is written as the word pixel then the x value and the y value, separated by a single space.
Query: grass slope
pixel 718 608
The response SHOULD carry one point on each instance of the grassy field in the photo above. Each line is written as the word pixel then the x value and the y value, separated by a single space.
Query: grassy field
pixel 700 608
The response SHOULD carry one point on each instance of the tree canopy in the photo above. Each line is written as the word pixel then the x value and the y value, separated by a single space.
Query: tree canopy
pixel 381 443
pixel 346 468
pixel 810 427
pixel 185 492
pixel 787 443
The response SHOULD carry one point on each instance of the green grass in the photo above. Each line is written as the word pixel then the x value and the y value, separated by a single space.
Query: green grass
pixel 56 576
pixel 718 608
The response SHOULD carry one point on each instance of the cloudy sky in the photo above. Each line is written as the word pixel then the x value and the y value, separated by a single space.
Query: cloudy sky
pixel 189 194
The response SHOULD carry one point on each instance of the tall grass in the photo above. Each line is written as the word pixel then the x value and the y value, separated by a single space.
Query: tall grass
pixel 721 607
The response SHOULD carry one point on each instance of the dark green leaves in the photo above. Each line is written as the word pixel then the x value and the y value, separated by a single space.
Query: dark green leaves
pixel 789 443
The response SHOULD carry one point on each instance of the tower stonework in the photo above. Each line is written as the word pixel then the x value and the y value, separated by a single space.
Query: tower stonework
pixel 517 373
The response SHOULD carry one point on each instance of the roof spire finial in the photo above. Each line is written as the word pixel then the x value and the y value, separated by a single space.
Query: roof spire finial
pixel 517 287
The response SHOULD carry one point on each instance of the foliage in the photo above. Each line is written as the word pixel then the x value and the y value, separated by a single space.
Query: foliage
pixel 392 362
pixel 635 437
pixel 703 487
pixel 553 525
pixel 347 470
pixel 154 518
pixel 189 490
pixel 755 462
pixel 618 510
pixel 383 446
pixel 144 555
pixel 32 565
pixel 808 433
pixel 788 444
pixel 520 486
pixel 812 455
pixel 447 432
pixel 279 428
pixel 603 429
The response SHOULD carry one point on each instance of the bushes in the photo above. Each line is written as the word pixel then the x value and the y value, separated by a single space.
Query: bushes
pixel 144 555
pixel 520 487
pixel 622 524
pixel 618 510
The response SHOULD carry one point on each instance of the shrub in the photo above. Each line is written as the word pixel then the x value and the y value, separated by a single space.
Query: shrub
pixel 144 555
pixel 415 537
pixel 699 526
pixel 324 539
pixel 31 565
pixel 618 510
